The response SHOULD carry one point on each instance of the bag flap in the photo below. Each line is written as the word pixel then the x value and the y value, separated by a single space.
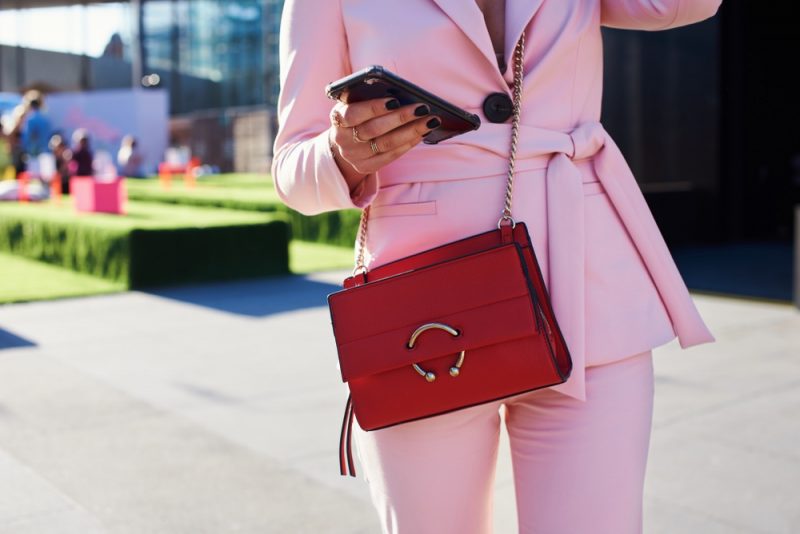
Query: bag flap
pixel 485 297
pixel 449 251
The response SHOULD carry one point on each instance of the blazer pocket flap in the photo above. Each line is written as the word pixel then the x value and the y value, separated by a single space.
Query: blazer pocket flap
pixel 407 208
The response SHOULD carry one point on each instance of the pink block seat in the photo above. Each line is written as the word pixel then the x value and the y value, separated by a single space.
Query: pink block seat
pixel 92 196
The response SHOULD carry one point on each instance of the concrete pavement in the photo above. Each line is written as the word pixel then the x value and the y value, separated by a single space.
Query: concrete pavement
pixel 216 409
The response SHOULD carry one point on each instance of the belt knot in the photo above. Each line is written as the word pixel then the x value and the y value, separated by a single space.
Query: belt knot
pixel 587 140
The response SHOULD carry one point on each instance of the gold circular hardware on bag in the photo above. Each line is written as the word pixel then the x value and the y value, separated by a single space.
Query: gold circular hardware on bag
pixel 430 376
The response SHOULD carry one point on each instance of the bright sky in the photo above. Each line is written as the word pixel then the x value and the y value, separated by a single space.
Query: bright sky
pixel 74 29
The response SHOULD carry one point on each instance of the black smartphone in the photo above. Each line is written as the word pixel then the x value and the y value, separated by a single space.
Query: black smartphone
pixel 377 82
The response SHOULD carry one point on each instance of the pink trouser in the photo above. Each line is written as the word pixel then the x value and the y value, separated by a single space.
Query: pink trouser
pixel 578 466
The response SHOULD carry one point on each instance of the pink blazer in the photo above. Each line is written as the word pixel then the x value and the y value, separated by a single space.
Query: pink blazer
pixel 573 186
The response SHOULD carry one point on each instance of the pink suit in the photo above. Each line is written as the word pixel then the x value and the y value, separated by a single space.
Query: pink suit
pixel 615 289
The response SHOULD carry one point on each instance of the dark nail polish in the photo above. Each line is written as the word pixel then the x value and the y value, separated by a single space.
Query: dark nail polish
pixel 426 134
pixel 433 123
pixel 393 104
pixel 422 110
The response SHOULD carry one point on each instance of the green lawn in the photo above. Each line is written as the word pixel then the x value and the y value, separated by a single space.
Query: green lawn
pixel 239 191
pixel 24 280
pixel 259 181
pixel 305 257
pixel 229 179
pixel 139 215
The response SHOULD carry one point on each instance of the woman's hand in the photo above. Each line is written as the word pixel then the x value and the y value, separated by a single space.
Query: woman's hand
pixel 367 135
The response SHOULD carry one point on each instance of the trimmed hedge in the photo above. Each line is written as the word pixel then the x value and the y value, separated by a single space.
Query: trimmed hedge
pixel 101 252
pixel 332 227
pixel 181 255
pixel 152 245
pixel 252 193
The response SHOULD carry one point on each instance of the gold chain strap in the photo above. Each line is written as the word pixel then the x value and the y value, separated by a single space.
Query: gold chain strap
pixel 518 57
pixel 519 53
pixel 362 241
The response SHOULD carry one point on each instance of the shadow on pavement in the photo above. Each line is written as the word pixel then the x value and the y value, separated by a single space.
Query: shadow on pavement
pixel 254 298
pixel 12 341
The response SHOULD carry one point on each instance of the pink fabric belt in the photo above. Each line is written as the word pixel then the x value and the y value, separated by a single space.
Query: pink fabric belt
pixel 557 152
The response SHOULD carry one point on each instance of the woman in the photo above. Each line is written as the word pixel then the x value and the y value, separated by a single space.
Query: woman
pixel 130 159
pixel 82 162
pixel 62 155
pixel 579 449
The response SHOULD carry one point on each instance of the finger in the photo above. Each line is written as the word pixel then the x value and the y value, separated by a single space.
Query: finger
pixel 400 143
pixel 409 133
pixel 336 115
pixel 358 112
pixel 383 124
pixel 376 162
pixel 348 145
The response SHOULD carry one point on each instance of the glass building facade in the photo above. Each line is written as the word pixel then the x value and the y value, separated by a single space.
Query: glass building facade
pixel 226 49
pixel 209 54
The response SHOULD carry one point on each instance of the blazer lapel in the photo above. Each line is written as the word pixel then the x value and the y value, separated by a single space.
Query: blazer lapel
pixel 467 15
pixel 518 14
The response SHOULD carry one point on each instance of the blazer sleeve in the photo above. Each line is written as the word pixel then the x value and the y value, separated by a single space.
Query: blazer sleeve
pixel 655 14
pixel 313 52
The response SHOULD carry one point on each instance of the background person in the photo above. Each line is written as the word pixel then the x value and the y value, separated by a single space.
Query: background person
pixel 82 156
pixel 37 129
pixel 62 155
pixel 130 159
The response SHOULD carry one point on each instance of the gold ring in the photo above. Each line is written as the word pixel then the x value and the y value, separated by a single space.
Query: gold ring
pixel 374 146
pixel 355 136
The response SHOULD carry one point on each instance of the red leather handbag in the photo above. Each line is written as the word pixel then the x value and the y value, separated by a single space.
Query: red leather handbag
pixel 455 326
